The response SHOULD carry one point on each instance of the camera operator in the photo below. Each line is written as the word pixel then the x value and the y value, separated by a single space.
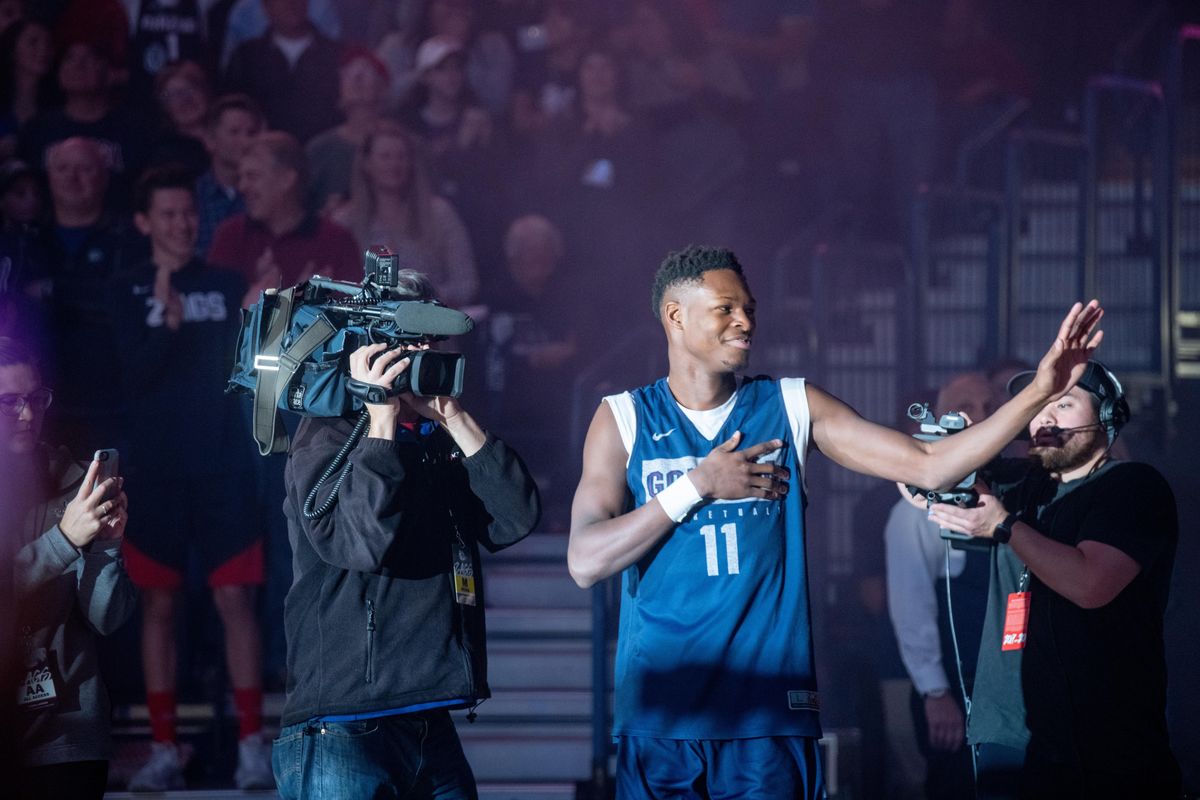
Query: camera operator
pixel 1098 537
pixel 384 620
pixel 71 588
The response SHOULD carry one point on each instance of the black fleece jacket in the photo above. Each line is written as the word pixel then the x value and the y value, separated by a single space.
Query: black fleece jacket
pixel 371 619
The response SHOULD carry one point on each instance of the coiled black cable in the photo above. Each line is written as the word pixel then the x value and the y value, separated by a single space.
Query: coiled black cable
pixel 339 466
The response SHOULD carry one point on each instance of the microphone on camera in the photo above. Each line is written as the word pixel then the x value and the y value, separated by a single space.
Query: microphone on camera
pixel 431 319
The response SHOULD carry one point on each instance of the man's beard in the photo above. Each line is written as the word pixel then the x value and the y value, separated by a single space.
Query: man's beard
pixel 1076 450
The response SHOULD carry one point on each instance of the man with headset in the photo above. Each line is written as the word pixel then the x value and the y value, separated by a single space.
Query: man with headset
pixel 1098 540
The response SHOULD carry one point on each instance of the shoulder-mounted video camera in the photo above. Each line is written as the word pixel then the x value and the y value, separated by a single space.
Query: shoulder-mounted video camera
pixel 294 347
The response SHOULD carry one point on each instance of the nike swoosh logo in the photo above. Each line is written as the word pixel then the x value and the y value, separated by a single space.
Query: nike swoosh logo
pixel 658 436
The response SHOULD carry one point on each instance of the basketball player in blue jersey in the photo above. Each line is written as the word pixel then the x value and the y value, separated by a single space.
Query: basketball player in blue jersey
pixel 715 689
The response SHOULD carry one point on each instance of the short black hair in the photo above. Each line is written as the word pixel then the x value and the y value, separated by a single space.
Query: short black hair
pixel 15 352
pixel 688 266
pixel 167 176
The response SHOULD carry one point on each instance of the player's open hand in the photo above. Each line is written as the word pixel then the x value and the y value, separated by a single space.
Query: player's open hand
pixel 727 473
pixel 1067 358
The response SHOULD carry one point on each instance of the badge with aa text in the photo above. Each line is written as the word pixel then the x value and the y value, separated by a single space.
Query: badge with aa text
pixel 37 690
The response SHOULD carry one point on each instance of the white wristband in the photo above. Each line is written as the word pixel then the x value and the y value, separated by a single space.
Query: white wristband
pixel 679 498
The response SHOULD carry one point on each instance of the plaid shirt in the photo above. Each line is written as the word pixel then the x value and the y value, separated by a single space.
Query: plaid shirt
pixel 214 205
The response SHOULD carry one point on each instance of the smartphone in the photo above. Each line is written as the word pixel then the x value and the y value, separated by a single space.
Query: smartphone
pixel 110 465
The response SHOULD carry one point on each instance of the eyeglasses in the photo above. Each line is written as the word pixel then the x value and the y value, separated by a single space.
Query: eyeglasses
pixel 11 405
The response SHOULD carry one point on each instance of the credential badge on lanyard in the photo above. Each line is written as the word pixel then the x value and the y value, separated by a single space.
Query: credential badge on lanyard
pixel 37 690
pixel 1016 616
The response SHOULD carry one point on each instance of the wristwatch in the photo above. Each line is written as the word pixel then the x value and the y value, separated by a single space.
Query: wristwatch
pixel 1003 532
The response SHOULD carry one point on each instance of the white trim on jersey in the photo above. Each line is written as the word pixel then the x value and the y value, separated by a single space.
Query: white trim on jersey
pixel 626 415
pixel 795 401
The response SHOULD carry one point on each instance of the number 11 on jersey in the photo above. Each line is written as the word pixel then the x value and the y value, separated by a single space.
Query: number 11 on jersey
pixel 729 531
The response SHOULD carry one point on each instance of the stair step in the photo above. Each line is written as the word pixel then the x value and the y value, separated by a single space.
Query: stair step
pixel 536 547
pixel 534 753
pixel 526 622
pixel 532 664
pixel 521 791
pixel 537 585
pixel 544 706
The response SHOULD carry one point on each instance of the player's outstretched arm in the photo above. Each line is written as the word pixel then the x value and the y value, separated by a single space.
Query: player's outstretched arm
pixel 606 539
pixel 863 446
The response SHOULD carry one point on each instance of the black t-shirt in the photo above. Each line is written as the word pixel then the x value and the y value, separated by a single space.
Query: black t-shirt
pixel 1095 680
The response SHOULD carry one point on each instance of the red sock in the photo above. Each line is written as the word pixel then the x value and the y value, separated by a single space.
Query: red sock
pixel 161 707
pixel 249 707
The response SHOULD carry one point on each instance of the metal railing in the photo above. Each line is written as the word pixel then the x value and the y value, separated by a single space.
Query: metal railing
pixel 1125 224
pixel 1183 254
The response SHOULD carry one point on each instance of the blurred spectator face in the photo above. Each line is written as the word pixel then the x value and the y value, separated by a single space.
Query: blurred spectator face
pixel 561 28
pixel 21 386
pixel 184 101
pixel 170 222
pixel 1000 380
pixel 21 203
pixel 265 184
pixel 451 18
pixel 598 77
pixel 288 17
pixel 10 12
pixel 534 248
pixel 388 164
pixel 361 84
pixel 651 34
pixel 969 393
pixel 447 78
pixel 83 71
pixel 78 176
pixel 34 53
pixel 232 134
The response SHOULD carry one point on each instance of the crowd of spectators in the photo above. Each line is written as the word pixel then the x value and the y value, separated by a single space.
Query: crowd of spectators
pixel 316 129
pixel 533 157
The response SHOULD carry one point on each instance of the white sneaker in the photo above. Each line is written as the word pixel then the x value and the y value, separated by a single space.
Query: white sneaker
pixel 162 771
pixel 254 763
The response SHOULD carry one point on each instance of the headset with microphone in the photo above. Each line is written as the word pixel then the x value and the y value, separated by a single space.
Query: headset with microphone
pixel 1113 409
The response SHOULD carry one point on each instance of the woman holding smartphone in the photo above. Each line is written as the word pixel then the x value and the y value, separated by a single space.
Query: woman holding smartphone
pixel 71 588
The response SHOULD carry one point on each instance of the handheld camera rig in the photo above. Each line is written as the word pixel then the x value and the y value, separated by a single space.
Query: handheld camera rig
pixel 963 493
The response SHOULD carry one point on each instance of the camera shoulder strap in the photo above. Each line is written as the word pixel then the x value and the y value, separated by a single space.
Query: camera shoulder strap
pixel 268 432
pixel 275 367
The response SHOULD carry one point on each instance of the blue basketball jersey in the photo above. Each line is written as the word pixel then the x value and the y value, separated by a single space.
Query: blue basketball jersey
pixel 715 639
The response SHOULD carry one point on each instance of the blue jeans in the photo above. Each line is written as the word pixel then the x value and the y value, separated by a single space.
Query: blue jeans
pixel 409 755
